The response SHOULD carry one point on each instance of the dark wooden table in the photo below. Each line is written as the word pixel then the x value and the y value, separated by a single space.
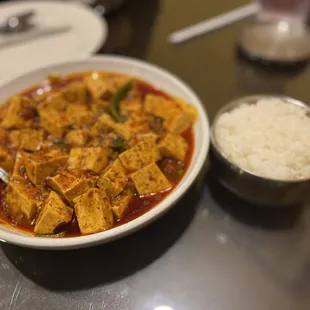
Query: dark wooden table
pixel 212 251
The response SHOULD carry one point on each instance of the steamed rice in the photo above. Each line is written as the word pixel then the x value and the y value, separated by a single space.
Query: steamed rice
pixel 270 138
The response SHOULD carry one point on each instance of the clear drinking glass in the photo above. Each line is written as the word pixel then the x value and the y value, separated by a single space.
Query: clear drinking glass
pixel 284 9
pixel 278 32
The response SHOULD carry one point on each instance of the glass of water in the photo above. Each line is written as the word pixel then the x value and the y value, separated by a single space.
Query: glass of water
pixel 279 32
pixel 284 9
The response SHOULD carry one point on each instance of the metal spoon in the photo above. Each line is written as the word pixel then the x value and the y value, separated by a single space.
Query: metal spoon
pixel 16 23
pixel 4 176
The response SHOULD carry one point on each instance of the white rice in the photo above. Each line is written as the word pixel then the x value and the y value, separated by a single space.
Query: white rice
pixel 270 138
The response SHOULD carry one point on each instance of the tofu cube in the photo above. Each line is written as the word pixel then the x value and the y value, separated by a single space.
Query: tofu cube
pixel 173 146
pixel 70 185
pixel 88 158
pixel 6 159
pixel 160 106
pixel 27 139
pixel 104 141
pixel 131 106
pixel 3 135
pixel 53 101
pixel 93 211
pixel 140 155
pixel 42 164
pixel 106 123
pixel 39 98
pixel 149 180
pixel 147 137
pixel 179 122
pixel 177 115
pixel 138 122
pixel 148 152
pixel 53 213
pixel 55 122
pixel 19 113
pixel 188 108
pixel 22 199
pixel 98 87
pixel 79 114
pixel 114 179
pixel 19 171
pixel 131 159
pixel 77 137
pixel 121 202
pixel 3 109
pixel 75 93
pixel 99 106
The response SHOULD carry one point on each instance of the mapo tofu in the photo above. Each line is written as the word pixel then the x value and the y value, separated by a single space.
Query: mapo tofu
pixel 90 151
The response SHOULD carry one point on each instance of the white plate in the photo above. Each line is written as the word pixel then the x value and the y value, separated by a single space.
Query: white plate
pixel 80 33
pixel 157 77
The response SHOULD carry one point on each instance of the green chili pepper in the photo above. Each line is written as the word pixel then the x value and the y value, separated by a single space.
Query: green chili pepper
pixel 118 143
pixel 180 171
pixel 118 97
pixel 58 142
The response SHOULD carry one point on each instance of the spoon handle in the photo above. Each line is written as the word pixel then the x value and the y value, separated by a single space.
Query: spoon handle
pixel 213 23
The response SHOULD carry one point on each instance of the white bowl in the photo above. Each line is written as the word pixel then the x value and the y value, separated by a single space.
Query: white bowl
pixel 157 77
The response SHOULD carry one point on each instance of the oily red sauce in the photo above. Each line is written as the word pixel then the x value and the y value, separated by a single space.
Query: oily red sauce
pixel 138 205
pixel 145 89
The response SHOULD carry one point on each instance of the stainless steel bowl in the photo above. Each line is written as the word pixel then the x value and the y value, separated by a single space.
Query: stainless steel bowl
pixel 247 185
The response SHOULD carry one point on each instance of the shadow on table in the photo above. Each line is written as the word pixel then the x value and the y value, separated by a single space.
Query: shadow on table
pixel 265 217
pixel 78 269
pixel 130 28
pixel 277 239
pixel 260 78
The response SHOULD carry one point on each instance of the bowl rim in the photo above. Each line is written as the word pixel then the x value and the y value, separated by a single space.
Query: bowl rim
pixel 166 204
pixel 252 99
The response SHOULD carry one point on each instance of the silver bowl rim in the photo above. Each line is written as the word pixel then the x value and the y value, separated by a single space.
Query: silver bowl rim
pixel 251 99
